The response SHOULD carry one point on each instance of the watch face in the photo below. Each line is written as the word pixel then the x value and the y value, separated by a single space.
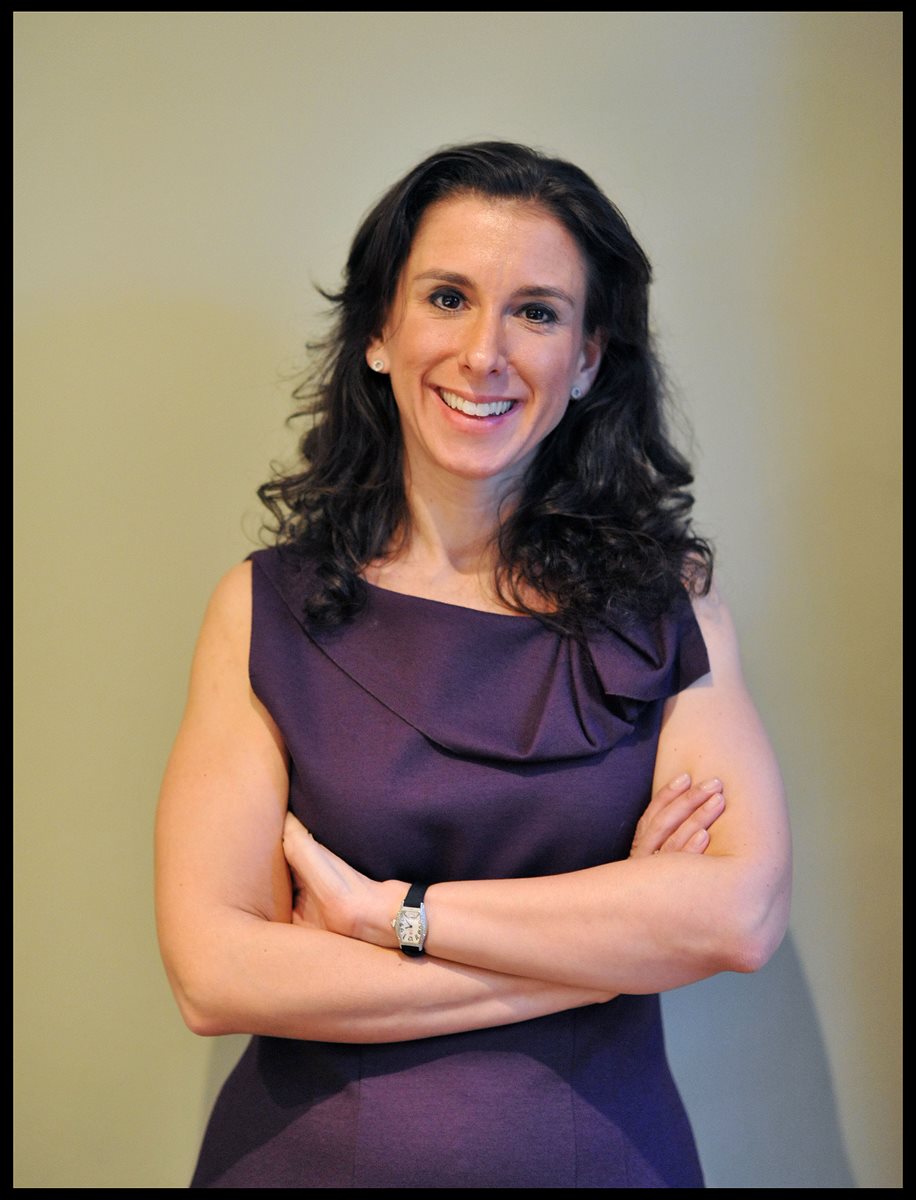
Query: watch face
pixel 409 928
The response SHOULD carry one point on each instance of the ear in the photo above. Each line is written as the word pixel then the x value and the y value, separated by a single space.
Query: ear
pixel 590 360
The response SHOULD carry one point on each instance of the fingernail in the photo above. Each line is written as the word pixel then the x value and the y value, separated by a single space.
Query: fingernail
pixel 712 785
pixel 681 781
pixel 715 800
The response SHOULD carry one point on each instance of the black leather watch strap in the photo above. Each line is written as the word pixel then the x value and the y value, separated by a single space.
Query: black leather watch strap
pixel 415 894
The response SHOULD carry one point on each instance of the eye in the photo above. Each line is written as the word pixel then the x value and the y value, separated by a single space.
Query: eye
pixel 447 298
pixel 539 314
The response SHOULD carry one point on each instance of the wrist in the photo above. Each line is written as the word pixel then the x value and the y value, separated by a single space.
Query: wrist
pixel 377 927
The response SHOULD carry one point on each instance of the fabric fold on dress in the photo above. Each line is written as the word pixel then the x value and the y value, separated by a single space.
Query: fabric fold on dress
pixel 542 699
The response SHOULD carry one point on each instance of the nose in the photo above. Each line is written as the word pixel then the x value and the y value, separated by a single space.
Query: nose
pixel 484 350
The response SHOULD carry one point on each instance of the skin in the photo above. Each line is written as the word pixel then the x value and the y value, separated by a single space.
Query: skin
pixel 301 945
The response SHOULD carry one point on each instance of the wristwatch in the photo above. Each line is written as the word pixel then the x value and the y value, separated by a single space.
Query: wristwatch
pixel 410 924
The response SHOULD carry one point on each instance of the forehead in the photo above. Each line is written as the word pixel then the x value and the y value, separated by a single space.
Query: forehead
pixel 496 242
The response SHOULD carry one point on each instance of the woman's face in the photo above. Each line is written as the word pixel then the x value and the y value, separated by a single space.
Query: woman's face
pixel 485 341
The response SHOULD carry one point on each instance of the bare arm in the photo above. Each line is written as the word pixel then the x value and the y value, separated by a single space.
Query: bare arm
pixel 653 921
pixel 236 962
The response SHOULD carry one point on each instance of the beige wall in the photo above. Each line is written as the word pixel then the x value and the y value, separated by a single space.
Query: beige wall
pixel 182 177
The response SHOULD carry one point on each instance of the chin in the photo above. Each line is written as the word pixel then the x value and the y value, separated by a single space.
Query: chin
pixel 487 472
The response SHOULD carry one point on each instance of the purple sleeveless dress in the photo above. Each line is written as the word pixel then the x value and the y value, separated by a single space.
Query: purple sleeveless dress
pixel 434 742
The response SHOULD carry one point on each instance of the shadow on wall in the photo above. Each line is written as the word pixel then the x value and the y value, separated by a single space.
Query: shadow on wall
pixel 751 1065
pixel 750 1061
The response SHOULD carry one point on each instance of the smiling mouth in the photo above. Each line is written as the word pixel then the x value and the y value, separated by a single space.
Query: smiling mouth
pixel 493 408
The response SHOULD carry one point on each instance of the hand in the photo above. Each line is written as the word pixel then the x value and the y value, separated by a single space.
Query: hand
pixel 330 894
pixel 678 818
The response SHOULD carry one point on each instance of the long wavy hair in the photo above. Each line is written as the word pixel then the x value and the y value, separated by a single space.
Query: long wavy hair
pixel 599 532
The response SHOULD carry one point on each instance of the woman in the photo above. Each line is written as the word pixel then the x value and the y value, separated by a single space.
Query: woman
pixel 485 639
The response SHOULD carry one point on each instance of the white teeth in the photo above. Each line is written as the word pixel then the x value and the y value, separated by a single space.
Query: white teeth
pixel 494 409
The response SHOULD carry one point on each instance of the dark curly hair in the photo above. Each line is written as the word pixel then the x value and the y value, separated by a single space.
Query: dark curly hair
pixel 599 532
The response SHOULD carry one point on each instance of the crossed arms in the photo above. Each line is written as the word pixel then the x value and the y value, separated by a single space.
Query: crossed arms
pixel 249 949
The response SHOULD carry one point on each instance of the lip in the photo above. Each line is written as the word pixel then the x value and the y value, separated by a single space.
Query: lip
pixel 479 402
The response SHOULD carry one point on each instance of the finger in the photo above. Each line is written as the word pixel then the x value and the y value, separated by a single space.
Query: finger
pixel 298 844
pixel 664 797
pixel 698 842
pixel 684 806
pixel 659 825
pixel 675 802
pixel 695 824
pixel 292 826
pixel 676 786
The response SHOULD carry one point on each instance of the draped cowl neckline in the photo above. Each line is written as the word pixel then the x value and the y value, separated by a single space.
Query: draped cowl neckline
pixel 495 686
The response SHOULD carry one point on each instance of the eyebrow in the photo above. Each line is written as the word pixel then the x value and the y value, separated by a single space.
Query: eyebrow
pixel 528 290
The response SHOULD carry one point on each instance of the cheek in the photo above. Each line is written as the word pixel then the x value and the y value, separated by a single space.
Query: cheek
pixel 556 377
pixel 556 413
pixel 419 345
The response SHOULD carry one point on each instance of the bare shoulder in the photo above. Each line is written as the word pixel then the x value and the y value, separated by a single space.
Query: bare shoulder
pixel 220 694
pixel 706 722
pixel 230 601
pixel 236 582
pixel 226 630
pixel 718 629
pixel 224 721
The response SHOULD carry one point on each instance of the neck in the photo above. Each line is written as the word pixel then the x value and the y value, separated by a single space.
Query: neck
pixel 450 550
